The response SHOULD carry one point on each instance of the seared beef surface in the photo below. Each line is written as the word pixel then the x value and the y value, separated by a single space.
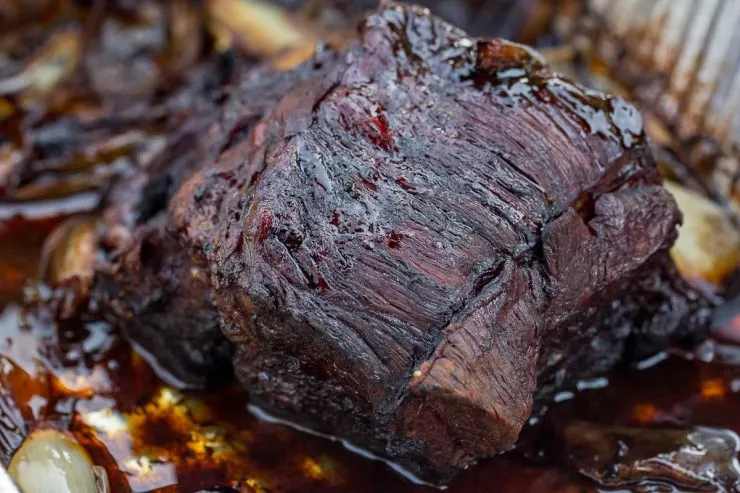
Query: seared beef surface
pixel 412 244
pixel 149 282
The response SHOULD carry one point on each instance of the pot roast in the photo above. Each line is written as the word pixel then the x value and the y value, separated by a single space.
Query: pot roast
pixel 411 244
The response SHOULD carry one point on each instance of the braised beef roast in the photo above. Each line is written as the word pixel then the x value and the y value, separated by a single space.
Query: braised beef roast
pixel 410 245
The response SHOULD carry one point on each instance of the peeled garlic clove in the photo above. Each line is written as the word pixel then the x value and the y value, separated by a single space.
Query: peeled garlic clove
pixel 49 461
pixel 708 245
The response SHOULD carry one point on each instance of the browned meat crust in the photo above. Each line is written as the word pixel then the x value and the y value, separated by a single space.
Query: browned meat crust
pixel 412 244
pixel 407 247
pixel 148 282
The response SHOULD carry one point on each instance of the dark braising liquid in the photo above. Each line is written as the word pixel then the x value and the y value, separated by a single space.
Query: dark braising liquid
pixel 151 437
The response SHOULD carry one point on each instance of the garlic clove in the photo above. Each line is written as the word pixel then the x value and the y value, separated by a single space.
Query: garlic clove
pixel 708 245
pixel 50 460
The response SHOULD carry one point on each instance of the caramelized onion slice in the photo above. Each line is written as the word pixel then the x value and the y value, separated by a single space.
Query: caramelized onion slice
pixel 261 29
pixel 697 459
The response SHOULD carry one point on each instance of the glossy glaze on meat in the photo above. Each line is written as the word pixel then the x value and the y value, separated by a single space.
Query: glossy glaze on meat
pixel 148 282
pixel 415 245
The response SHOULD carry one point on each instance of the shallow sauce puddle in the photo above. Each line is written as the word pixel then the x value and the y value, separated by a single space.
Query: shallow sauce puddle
pixel 152 437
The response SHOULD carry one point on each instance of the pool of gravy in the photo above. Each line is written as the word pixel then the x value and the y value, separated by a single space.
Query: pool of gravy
pixel 84 377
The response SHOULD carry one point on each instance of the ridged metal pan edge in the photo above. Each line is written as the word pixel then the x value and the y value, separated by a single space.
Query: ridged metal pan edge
pixel 681 58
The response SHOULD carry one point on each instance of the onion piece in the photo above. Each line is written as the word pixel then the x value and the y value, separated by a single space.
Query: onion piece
pixel 259 27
